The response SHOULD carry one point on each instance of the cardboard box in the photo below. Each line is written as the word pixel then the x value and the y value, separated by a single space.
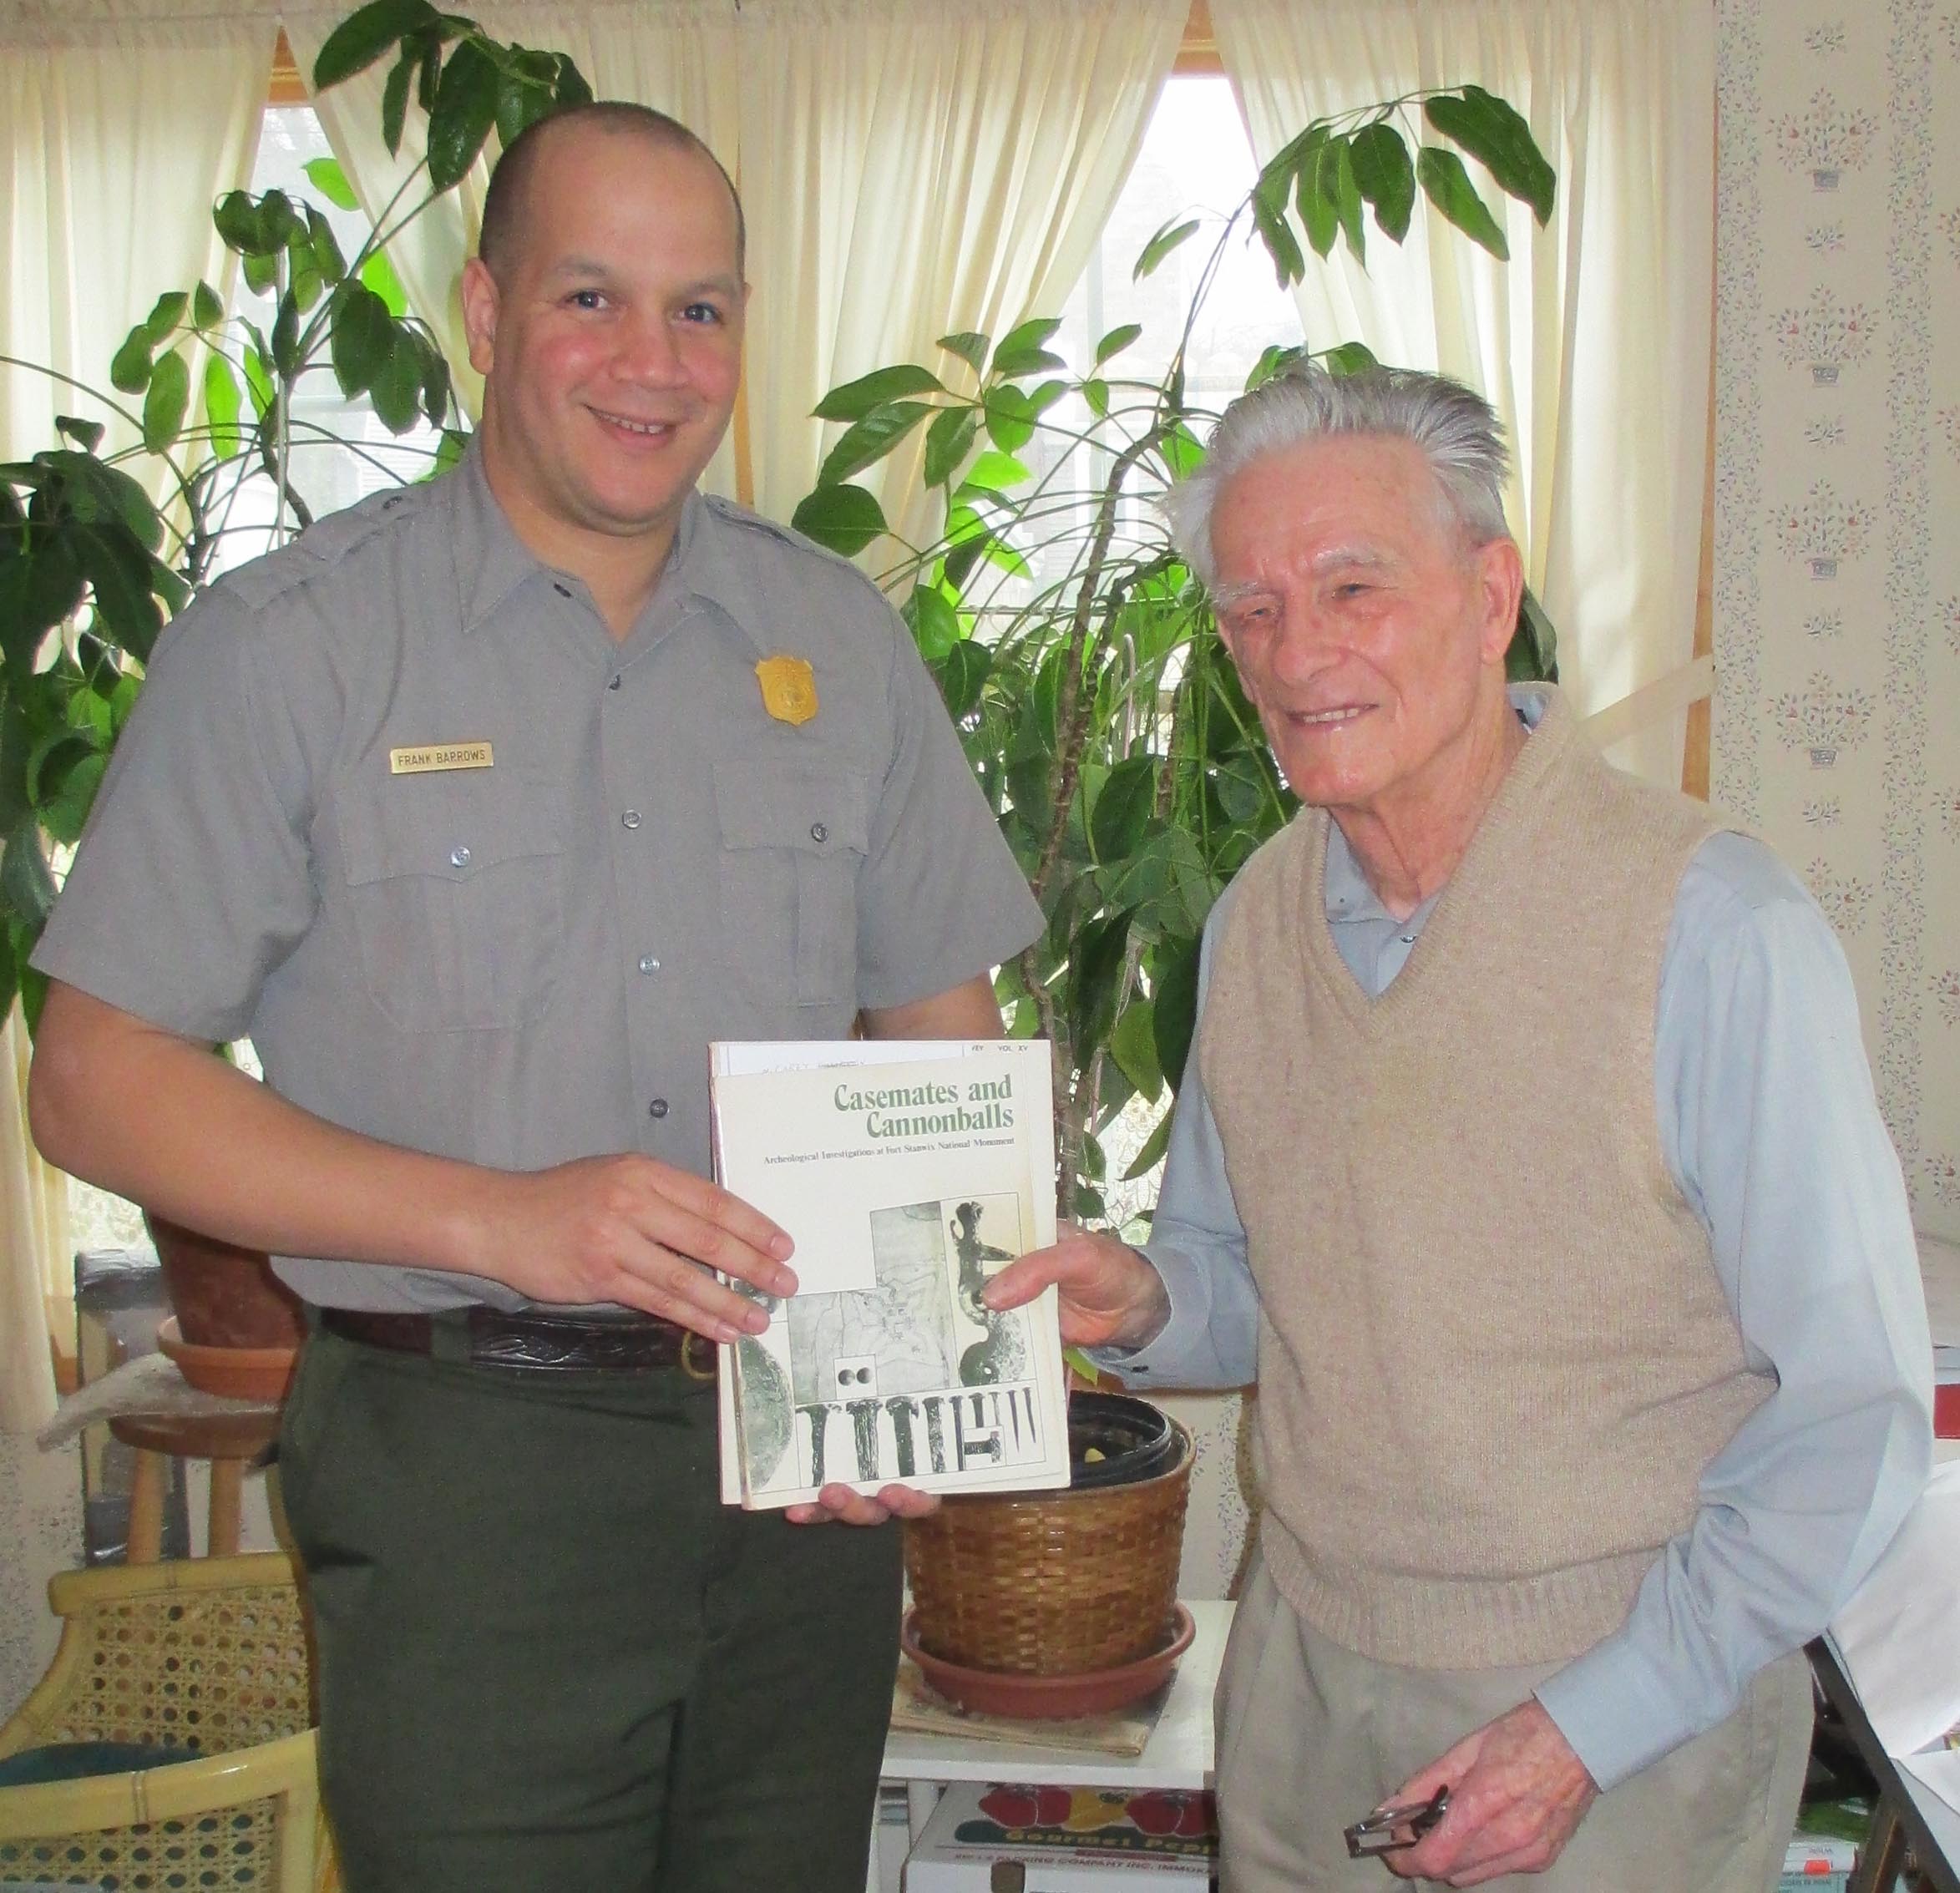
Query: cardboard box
pixel 1064 1840
pixel 1813 1863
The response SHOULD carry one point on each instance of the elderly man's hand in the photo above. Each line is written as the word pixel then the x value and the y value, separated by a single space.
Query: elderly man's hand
pixel 1518 1793
pixel 1111 1296
pixel 838 1504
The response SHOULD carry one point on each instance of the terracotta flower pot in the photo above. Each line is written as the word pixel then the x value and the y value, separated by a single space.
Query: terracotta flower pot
pixel 225 1296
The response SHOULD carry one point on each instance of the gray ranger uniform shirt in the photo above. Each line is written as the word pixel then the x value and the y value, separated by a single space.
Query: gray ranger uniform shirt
pixel 478 881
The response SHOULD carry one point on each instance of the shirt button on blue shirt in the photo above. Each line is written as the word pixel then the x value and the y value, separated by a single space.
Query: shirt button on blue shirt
pixel 658 1108
pixel 630 819
pixel 818 832
pixel 459 856
pixel 648 963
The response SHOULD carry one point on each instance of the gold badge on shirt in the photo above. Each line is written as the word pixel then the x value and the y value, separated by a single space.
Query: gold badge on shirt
pixel 423 758
pixel 789 689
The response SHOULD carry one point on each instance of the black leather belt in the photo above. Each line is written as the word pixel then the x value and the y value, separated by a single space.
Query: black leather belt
pixel 529 1342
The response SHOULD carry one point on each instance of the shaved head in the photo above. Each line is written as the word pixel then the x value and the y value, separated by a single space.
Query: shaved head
pixel 506 205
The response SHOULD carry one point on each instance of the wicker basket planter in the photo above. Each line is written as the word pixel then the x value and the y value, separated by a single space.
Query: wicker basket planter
pixel 1061 1583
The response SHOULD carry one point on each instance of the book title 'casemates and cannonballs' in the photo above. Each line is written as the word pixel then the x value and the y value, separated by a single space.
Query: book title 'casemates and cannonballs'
pixel 983 1106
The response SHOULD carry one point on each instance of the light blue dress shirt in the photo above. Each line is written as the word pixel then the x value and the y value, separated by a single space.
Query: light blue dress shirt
pixel 1770 1129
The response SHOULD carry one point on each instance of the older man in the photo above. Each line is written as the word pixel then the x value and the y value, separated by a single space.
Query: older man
pixel 1529 1157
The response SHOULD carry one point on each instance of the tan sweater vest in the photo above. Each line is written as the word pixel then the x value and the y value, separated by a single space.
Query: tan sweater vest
pixel 1494 1355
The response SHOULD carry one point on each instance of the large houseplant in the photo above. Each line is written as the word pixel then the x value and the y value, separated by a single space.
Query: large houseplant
pixel 1072 644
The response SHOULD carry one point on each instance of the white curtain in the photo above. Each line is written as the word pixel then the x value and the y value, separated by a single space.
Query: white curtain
pixel 908 168
pixel 120 122
pixel 1593 342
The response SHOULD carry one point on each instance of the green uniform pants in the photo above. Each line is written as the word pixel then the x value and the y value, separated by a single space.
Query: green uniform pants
pixel 549 1660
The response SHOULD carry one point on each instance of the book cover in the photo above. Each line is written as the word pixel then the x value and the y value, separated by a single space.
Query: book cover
pixel 907 1173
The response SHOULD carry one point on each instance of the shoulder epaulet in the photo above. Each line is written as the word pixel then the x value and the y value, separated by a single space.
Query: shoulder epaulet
pixel 322 546
pixel 737 514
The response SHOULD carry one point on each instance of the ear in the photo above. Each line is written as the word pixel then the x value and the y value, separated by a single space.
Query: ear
pixel 1500 579
pixel 479 313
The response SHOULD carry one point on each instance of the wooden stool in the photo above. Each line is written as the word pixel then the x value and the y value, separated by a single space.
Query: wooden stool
pixel 228 1441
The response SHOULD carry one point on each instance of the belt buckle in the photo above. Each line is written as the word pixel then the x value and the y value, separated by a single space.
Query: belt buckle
pixel 704 1373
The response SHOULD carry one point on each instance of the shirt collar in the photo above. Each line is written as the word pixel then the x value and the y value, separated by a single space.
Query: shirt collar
pixel 709 565
pixel 1345 893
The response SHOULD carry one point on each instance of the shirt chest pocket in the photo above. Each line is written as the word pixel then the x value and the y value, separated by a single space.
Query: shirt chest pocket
pixel 456 884
pixel 791 843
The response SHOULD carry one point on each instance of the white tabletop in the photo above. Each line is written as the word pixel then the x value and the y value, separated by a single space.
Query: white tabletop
pixel 1178 1753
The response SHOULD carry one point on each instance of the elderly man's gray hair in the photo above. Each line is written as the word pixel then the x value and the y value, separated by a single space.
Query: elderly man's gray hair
pixel 1459 436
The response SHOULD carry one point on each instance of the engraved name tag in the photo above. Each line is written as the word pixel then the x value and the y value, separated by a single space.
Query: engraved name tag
pixel 423 757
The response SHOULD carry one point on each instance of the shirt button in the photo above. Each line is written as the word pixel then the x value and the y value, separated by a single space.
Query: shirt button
pixel 459 856
pixel 616 680
pixel 562 591
pixel 648 963
pixel 818 832
pixel 1408 940
pixel 630 819
pixel 658 1108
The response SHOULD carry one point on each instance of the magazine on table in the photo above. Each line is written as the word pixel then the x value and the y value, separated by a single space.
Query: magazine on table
pixel 908 1172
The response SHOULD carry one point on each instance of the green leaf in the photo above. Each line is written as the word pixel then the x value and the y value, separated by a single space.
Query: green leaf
pixel 1116 340
pixel 845 518
pixel 962 674
pixel 867 441
pixel 206 311
pixel 428 71
pixel 970 345
pixel 1010 418
pixel 330 181
pixel 258 383
pixel 360 337
pixel 935 621
pixel 1168 239
pixel 1173 992
pixel 1014 362
pixel 1268 218
pixel 1132 1044
pixel 68 798
pixel 1493 133
pixel 1386 177
pixel 1028 337
pixel 994 472
pixel 394 102
pixel 359 40
pixel 261 272
pixel 1096 393
pixel 237 218
pixel 306 285
pixel 36 593
pixel 328 258
pixel 1532 656
pixel 571 87
pixel 856 399
pixel 1347 199
pixel 465 111
pixel 1152 1153
pixel 396 387
pixel 1273 358
pixel 163 316
pixel 521 102
pixel 129 371
pixel 117 567
pixel 1182 451
pixel 221 405
pixel 947 441
pixel 1350 358
pixel 285 336
pixel 378 273
pixel 86 434
pixel 277 220
pixel 1123 809
pixel 27 887
pixel 1447 185
pixel 163 406
pixel 435 387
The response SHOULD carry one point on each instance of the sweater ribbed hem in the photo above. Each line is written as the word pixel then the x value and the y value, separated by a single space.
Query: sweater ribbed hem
pixel 1456 1623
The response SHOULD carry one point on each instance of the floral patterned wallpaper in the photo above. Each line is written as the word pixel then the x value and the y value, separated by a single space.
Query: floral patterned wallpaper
pixel 1837 595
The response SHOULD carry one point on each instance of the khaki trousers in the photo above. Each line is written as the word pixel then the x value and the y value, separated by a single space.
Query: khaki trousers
pixel 1312 1736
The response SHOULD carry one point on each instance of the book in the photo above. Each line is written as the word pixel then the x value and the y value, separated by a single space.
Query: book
pixel 1063 1840
pixel 907 1173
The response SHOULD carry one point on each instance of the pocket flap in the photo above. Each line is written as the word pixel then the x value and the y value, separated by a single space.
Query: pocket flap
pixel 817 810
pixel 451 826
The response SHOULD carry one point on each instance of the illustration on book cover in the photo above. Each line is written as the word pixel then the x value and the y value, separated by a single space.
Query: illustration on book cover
pixel 916 1375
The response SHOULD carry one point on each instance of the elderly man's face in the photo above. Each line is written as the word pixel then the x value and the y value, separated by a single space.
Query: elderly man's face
pixel 1364 628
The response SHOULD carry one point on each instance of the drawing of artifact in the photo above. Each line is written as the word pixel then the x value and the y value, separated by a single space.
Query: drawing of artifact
pixel 817 1415
pixel 935 1437
pixel 902 1407
pixel 768 1423
pixel 864 1430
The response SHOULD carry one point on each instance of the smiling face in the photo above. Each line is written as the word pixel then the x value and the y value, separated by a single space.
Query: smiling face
pixel 611 342
pixel 1368 632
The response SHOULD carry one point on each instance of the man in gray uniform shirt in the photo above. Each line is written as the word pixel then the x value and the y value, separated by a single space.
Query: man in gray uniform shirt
pixel 482 808
pixel 1528 1158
